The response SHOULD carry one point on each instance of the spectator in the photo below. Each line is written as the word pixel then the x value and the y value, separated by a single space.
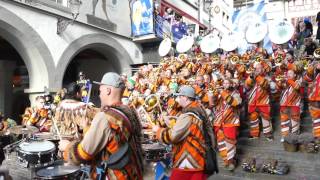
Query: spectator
pixel 318 23
pixel 303 33
pixel 308 24
pixel 310 47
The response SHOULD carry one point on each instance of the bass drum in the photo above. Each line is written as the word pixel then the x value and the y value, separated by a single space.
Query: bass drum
pixel 36 153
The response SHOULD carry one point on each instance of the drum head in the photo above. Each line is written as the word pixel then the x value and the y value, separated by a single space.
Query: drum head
pixel 37 146
pixel 210 43
pixel 256 32
pixel 185 44
pixel 57 171
pixel 164 47
pixel 280 32
pixel 230 41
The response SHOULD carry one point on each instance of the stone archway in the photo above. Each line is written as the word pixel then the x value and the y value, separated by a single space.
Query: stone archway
pixel 31 48
pixel 101 43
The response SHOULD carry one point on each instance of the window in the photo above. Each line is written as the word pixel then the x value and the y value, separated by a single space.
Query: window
pixel 61 2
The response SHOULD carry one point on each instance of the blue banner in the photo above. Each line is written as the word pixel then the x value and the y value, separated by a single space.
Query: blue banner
pixel 165 29
pixel 142 18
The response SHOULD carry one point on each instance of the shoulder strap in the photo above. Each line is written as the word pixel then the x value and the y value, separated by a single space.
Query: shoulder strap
pixel 204 125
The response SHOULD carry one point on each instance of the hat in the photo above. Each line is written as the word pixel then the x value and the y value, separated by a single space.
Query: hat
pixel 186 91
pixel 111 79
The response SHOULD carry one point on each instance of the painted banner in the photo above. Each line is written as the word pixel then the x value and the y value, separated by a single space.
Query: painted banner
pixel 175 31
pixel 142 18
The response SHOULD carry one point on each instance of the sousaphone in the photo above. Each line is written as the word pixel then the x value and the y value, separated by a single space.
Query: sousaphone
pixel 230 41
pixel 210 43
pixel 185 44
pixel 280 32
pixel 165 47
pixel 256 32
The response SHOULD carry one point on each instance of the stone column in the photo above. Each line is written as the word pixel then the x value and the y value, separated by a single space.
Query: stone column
pixel 6 85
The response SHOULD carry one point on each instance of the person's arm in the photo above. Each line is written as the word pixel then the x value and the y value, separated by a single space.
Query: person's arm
pixel 179 131
pixel 93 142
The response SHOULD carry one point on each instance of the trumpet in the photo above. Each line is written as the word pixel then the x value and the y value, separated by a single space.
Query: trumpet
pixel 280 78
pixel 215 89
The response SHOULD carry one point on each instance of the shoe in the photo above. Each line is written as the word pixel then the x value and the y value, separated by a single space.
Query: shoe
pixel 231 167
pixel 253 137
pixel 270 139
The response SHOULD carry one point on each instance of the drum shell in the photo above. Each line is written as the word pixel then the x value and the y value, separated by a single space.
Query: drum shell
pixel 36 159
pixel 154 154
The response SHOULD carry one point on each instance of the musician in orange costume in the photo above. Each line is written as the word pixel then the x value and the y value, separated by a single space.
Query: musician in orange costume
pixel 115 127
pixel 226 121
pixel 258 102
pixel 187 138
pixel 290 103
pixel 313 78
pixel 37 116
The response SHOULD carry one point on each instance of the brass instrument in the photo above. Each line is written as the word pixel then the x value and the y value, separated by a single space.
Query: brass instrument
pixel 278 60
pixel 316 53
pixel 183 57
pixel 258 58
pixel 234 59
pixel 250 70
pixel 151 102
pixel 305 62
pixel 199 56
pixel 214 59
pixel 280 78
pixel 215 89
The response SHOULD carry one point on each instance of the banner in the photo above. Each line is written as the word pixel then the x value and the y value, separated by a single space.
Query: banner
pixel 175 31
pixel 142 18
pixel 241 19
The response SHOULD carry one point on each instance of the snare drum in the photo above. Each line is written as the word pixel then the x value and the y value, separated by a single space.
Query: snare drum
pixel 155 152
pixel 36 153
pixel 59 172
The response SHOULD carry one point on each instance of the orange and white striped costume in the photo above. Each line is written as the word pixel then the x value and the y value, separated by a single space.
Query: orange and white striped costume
pixel 108 130
pixel 38 118
pixel 226 123
pixel 290 103
pixel 188 140
pixel 313 78
pixel 258 105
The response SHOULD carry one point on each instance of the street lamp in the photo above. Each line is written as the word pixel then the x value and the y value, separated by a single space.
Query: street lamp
pixel 208 4
pixel 63 23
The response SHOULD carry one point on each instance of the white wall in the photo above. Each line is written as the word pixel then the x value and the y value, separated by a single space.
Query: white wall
pixel 46 26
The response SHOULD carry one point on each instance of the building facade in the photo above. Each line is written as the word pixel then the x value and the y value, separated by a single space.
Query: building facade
pixel 47 42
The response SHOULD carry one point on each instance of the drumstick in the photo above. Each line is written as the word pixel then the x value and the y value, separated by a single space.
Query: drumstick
pixel 56 127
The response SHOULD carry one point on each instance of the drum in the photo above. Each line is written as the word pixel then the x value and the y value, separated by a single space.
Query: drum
pixel 155 152
pixel 36 153
pixel 59 172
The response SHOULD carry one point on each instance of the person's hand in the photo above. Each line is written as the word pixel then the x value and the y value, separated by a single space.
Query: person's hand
pixel 34 115
pixel 63 144
pixel 84 123
pixel 155 128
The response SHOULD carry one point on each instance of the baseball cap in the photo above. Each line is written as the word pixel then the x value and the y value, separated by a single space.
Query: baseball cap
pixel 111 79
pixel 186 91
